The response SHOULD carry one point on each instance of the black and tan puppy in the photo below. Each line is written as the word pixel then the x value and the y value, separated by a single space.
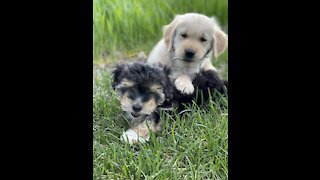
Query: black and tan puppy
pixel 141 89
pixel 144 90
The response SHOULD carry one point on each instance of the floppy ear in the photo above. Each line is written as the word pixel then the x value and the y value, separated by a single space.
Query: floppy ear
pixel 220 40
pixel 169 32
pixel 116 73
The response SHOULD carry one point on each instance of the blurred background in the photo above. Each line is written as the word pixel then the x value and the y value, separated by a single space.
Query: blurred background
pixel 127 29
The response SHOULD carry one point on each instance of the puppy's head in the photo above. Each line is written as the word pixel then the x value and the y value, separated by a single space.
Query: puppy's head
pixel 141 88
pixel 191 37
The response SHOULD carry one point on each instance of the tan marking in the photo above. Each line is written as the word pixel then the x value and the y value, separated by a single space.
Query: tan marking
pixel 143 129
pixel 125 83
pixel 156 88
pixel 149 106
pixel 159 90
pixel 126 102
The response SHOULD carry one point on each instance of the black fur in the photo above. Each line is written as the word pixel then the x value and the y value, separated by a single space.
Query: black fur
pixel 144 75
pixel 205 84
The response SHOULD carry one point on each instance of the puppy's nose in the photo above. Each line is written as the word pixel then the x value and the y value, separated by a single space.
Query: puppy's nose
pixel 136 107
pixel 189 53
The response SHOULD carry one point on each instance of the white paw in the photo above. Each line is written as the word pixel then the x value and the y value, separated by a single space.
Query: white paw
pixel 131 137
pixel 186 87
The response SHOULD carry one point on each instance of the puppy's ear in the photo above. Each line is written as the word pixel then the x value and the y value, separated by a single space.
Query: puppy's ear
pixel 169 32
pixel 116 73
pixel 220 40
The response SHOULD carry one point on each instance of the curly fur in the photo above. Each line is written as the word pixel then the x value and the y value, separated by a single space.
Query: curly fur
pixel 206 83
pixel 145 75
pixel 146 86
pixel 141 78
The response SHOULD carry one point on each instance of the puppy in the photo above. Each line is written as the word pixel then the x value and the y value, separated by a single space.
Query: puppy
pixel 141 89
pixel 145 89
pixel 187 46
pixel 205 83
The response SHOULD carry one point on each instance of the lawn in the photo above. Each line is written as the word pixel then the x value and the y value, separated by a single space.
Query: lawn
pixel 125 27
pixel 189 146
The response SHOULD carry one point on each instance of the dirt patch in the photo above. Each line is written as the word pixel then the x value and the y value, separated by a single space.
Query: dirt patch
pixel 108 65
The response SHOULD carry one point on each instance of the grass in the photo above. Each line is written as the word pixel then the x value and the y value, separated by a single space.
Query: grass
pixel 192 146
pixel 130 26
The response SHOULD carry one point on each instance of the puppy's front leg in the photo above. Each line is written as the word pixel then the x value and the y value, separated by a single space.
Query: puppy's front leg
pixel 184 84
pixel 207 65
pixel 140 133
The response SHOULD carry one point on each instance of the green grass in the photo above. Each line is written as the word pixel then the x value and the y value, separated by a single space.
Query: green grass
pixel 130 26
pixel 192 146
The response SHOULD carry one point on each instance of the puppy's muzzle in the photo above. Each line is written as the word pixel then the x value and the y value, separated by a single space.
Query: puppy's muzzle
pixel 189 54
pixel 136 108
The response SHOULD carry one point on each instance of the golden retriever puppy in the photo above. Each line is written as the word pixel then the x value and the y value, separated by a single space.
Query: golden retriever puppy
pixel 187 46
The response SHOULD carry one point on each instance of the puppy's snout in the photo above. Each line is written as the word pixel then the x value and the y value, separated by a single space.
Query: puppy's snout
pixel 136 107
pixel 189 53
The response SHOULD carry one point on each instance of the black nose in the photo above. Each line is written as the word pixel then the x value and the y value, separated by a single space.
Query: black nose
pixel 136 107
pixel 189 53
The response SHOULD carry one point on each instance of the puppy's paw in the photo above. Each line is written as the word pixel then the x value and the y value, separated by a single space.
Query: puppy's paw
pixel 131 137
pixel 184 85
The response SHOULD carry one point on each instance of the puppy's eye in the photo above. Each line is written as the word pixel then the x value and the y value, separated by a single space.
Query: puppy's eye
pixel 130 96
pixel 146 97
pixel 203 39
pixel 184 35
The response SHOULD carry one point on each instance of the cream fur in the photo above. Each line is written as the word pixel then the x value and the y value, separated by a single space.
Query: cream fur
pixel 170 49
